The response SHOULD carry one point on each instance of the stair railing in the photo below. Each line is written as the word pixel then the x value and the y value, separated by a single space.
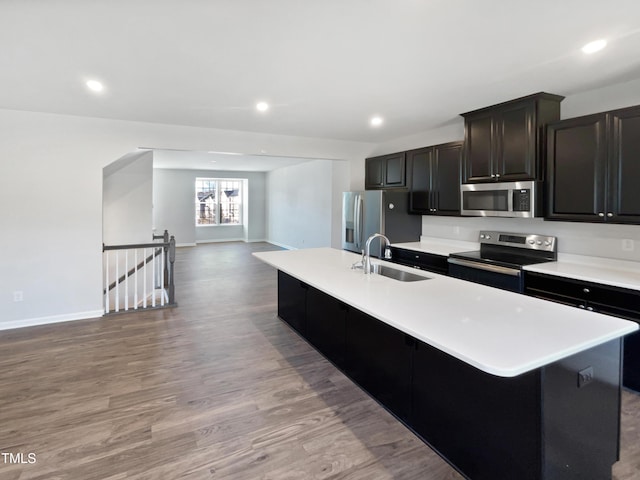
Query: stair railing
pixel 147 280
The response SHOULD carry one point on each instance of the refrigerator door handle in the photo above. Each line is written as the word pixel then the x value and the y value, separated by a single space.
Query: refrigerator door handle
pixel 358 221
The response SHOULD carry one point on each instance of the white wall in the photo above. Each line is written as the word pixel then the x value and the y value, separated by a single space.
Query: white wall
pixel 51 201
pixel 127 198
pixel 173 207
pixel 299 205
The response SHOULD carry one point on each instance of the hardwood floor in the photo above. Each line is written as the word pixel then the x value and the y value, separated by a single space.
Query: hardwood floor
pixel 218 388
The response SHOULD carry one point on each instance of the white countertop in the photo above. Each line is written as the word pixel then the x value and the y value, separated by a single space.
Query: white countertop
pixel 499 332
pixel 607 271
pixel 439 246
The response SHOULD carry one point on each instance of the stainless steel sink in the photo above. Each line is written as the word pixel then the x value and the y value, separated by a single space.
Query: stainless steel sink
pixel 396 274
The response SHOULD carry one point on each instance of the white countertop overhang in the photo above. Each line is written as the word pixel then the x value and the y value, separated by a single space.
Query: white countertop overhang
pixel 500 332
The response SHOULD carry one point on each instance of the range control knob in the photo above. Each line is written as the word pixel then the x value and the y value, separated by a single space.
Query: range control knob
pixel 488 237
pixel 539 242
pixel 547 243
pixel 482 235
pixel 531 242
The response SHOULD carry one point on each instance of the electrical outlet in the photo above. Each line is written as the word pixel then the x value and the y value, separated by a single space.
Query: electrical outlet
pixel 585 377
pixel 18 296
pixel 628 245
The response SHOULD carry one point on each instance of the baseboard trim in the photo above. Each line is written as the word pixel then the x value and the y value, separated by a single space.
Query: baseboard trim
pixel 32 322
pixel 220 240
pixel 281 245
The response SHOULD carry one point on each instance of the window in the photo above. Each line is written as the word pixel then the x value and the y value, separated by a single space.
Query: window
pixel 218 201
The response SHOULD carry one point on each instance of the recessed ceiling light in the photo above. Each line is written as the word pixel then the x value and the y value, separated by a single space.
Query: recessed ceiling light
pixel 376 121
pixel 595 46
pixel 95 85
pixel 262 106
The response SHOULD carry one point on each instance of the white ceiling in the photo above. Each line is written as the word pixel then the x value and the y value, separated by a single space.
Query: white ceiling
pixel 324 66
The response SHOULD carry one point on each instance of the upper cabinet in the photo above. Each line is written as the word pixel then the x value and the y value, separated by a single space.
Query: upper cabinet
pixel 593 168
pixel 505 142
pixel 434 179
pixel 386 171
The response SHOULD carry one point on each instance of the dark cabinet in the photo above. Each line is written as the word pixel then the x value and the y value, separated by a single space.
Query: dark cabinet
pixel 422 260
pixel 326 325
pixel 292 301
pixel 619 302
pixel 593 168
pixel 386 171
pixel 378 358
pixel 505 142
pixel 453 404
pixel 434 179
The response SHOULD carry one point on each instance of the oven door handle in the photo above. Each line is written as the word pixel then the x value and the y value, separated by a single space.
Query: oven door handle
pixel 483 266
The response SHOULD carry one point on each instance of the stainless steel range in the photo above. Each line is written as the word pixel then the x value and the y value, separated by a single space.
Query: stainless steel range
pixel 501 257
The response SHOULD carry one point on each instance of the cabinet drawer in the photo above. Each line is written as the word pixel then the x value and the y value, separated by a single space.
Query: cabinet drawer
pixel 547 286
pixel 619 302
pixel 422 260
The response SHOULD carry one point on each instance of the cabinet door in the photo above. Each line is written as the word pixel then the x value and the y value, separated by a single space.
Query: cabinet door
pixel 447 163
pixel 479 148
pixel 394 170
pixel 419 165
pixel 576 154
pixel 378 358
pixel 516 135
pixel 374 173
pixel 623 199
pixel 326 325
pixel 455 403
pixel 292 301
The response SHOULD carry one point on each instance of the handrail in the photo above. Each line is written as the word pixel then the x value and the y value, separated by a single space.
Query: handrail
pixel 131 246
pixel 165 250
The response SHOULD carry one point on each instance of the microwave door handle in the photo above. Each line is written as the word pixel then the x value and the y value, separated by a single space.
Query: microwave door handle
pixel 510 200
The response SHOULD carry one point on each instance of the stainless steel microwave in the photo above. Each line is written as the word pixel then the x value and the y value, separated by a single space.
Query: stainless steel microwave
pixel 502 199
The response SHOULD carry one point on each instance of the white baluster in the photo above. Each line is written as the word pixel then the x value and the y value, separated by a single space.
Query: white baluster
pixel 135 279
pixel 162 277
pixel 117 281
pixel 144 280
pixel 153 277
pixel 126 280
pixel 106 282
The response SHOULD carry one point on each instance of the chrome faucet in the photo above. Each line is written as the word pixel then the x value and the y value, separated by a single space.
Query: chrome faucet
pixel 367 255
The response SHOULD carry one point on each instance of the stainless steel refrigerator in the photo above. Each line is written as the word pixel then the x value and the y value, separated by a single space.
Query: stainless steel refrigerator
pixel 377 211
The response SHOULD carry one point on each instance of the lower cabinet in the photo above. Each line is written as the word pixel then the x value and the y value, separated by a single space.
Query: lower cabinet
pixel 378 358
pixel 326 325
pixel 421 260
pixel 558 422
pixel 487 426
pixel 618 302
pixel 292 301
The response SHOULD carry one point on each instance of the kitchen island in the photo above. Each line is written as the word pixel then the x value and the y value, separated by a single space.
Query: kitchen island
pixel 501 385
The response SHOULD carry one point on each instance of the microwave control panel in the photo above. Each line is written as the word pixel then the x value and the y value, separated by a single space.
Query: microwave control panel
pixel 522 200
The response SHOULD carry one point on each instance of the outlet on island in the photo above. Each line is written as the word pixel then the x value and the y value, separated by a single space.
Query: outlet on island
pixel 628 245
pixel 585 377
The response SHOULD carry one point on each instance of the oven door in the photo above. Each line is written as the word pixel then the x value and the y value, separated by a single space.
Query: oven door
pixel 496 276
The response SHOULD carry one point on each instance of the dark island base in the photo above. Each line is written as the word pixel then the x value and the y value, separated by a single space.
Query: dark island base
pixel 560 421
